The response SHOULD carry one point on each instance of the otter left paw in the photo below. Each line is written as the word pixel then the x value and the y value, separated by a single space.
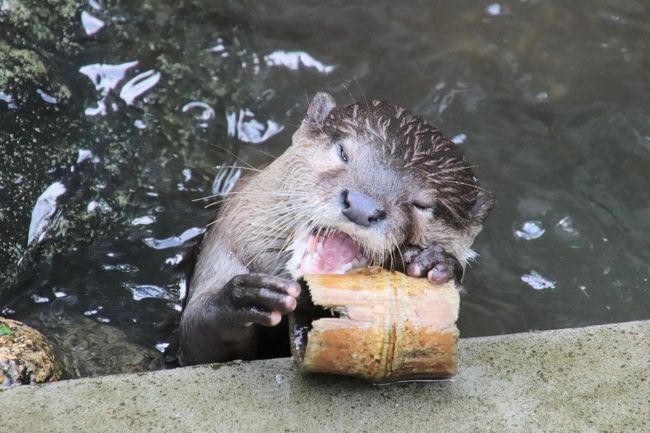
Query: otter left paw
pixel 433 262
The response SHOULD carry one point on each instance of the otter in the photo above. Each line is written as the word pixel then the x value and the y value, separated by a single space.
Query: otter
pixel 364 184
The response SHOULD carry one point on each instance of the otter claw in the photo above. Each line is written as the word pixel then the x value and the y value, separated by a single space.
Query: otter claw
pixel 255 299
pixel 434 263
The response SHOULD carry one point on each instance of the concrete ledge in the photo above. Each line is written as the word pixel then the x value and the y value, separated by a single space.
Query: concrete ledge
pixel 577 380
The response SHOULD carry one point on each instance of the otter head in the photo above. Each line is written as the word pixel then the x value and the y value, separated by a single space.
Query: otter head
pixel 374 178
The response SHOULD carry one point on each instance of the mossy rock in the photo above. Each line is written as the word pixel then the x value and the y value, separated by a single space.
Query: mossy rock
pixel 26 357
pixel 42 47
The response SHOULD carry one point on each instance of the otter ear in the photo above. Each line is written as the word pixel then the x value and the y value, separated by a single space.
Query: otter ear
pixel 319 108
pixel 483 206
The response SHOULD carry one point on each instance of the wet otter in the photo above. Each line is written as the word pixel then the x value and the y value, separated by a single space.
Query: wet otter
pixel 368 183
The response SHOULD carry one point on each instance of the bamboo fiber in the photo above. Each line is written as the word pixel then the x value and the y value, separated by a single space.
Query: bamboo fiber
pixel 383 326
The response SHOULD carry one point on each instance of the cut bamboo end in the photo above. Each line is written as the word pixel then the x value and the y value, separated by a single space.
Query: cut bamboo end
pixel 376 325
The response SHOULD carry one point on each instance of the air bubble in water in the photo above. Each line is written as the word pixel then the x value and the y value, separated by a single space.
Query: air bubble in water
pixel 495 9
pixel 566 226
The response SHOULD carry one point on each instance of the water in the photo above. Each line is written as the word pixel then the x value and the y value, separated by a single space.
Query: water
pixel 549 99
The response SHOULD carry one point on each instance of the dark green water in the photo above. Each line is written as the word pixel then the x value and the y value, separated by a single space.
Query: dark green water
pixel 550 99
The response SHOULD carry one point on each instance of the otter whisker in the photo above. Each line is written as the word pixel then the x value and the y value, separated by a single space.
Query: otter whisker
pixel 391 258
pixel 347 89
pixel 263 152
pixel 362 92
pixel 234 155
pixel 270 193
pixel 281 233
pixel 282 229
pixel 311 226
pixel 280 194
pixel 394 246
pixel 455 169
pixel 401 255
pixel 239 167
pixel 465 184
pixel 288 208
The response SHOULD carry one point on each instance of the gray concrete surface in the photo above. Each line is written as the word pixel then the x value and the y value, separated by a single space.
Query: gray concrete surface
pixel 578 380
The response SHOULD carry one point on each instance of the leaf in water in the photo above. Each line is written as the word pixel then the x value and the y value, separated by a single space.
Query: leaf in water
pixel 4 331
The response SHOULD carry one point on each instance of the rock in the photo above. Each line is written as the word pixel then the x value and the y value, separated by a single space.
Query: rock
pixel 26 357
pixel 88 348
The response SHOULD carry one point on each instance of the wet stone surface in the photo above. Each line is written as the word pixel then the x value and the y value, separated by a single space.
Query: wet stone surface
pixel 577 380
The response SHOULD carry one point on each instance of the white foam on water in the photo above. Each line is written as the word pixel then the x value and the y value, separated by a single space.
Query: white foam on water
pixel 295 59
pixel 139 85
pixel 537 281
pixel 91 24
pixel 530 230
pixel 245 126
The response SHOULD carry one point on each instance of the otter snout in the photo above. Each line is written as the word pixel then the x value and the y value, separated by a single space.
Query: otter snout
pixel 361 209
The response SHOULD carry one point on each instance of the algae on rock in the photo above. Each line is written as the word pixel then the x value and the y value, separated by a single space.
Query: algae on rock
pixel 43 98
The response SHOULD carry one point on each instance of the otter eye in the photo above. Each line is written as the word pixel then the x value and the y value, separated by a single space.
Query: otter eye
pixel 425 207
pixel 342 154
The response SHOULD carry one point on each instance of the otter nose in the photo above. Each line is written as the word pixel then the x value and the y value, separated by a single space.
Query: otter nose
pixel 360 209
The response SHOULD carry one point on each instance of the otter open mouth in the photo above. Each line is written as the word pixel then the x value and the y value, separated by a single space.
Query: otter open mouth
pixel 332 252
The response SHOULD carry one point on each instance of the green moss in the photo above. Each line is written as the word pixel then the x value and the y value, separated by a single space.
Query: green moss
pixel 48 22
pixel 20 63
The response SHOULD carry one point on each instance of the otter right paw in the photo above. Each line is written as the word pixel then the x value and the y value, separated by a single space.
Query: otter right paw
pixel 257 299
pixel 434 263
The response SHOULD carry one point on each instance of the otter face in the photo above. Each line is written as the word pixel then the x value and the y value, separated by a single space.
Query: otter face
pixel 378 179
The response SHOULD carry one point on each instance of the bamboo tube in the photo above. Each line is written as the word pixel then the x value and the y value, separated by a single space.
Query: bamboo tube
pixel 376 325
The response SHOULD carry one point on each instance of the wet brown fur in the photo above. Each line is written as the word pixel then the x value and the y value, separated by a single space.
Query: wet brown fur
pixel 395 157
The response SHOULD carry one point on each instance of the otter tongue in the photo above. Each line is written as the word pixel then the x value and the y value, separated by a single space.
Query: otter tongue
pixel 331 254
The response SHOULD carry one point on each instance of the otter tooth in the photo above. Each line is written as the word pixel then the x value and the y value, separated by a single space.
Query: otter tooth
pixel 346 267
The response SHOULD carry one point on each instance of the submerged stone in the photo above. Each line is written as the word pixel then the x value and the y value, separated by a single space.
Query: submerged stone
pixel 26 357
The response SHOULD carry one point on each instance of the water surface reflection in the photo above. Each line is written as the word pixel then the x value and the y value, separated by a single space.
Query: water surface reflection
pixel 549 99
